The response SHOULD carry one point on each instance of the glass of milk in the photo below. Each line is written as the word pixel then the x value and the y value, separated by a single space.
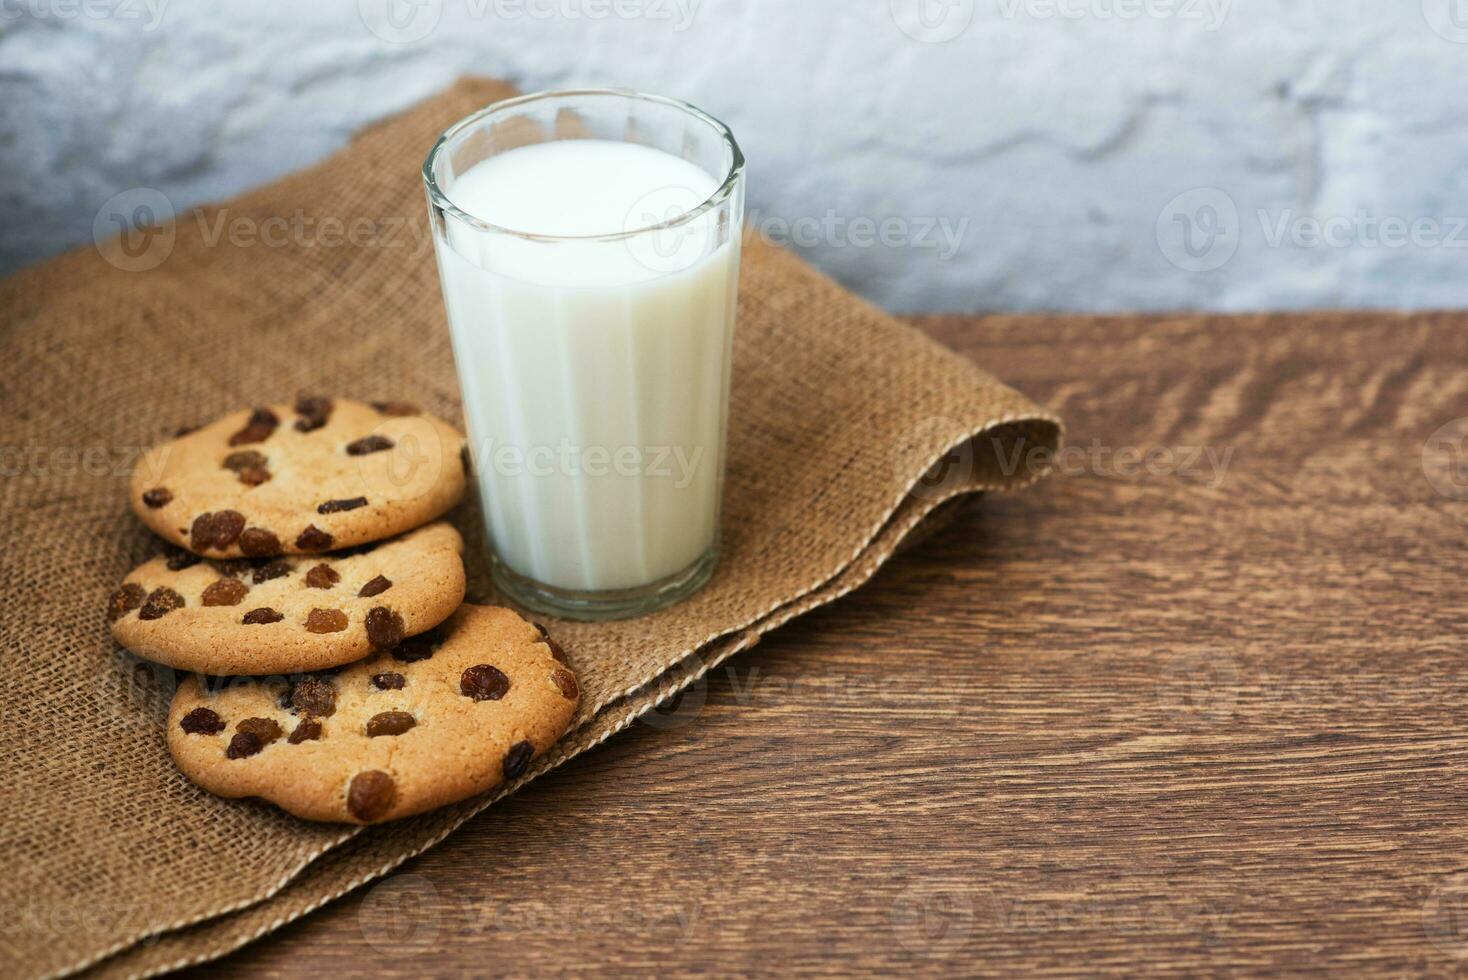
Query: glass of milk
pixel 588 248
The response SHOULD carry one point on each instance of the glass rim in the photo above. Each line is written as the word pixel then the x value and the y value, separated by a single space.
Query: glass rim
pixel 439 199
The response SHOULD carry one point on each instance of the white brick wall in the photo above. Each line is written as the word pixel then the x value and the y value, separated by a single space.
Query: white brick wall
pixel 1033 151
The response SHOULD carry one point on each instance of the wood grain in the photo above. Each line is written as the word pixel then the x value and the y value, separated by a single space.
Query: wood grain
pixel 1205 717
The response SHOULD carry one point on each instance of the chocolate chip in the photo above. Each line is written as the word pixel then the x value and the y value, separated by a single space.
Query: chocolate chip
pixel 244 459
pixel 254 476
pixel 308 730
pixel 160 603
pixel 216 530
pixel 566 681
pixel 225 592
pixel 555 648
pixel 388 681
pixel 377 586
pixel 275 569
pixel 396 408
pixel 314 696
pixel 266 730
pixel 369 444
pixel 326 621
pixel 258 427
pixel 517 759
pixel 416 648
pixel 157 497
pixel 384 627
pixel 201 721
pixel 243 745
pixel 389 723
pixel 313 539
pixel 129 596
pixel 337 506
pixel 313 412
pixel 259 543
pixel 370 795
pixel 234 567
pixel 262 616
pixel 483 683
pixel 322 576
pixel 179 559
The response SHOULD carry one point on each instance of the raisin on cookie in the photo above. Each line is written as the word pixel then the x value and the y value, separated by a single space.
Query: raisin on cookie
pixel 317 475
pixel 469 707
pixel 283 615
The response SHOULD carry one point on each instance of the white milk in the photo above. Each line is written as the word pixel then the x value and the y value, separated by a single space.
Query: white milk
pixel 594 374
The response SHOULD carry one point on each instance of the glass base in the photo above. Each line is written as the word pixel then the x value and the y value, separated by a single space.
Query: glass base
pixel 610 604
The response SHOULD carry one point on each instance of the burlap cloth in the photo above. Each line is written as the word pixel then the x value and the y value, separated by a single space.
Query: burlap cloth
pixel 113 861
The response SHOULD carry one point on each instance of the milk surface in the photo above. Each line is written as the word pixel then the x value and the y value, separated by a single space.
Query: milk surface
pixel 594 373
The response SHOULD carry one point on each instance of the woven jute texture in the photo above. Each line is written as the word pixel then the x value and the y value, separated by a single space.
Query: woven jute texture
pixel 847 429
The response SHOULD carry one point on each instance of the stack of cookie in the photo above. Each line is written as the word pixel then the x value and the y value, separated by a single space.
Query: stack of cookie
pixel 317 599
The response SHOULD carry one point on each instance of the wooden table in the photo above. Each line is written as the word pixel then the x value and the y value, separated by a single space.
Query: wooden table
pixel 1183 713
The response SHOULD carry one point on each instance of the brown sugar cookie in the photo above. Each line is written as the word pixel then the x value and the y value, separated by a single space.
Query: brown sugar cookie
pixel 315 476
pixel 288 614
pixel 443 717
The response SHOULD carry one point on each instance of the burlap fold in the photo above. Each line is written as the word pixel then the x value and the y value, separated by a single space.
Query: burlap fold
pixel 325 281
